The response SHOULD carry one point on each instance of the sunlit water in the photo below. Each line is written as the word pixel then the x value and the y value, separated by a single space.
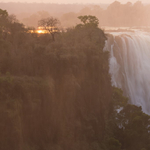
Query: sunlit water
pixel 130 65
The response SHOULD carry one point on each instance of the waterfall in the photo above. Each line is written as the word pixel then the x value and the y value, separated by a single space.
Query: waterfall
pixel 130 65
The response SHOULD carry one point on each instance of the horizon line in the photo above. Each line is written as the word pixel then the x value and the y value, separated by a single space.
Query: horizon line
pixel 82 3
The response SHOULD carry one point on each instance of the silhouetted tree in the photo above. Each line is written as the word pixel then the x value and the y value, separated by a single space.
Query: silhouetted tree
pixel 50 24
pixel 89 20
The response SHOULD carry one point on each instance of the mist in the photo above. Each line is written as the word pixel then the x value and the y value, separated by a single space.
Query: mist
pixel 115 14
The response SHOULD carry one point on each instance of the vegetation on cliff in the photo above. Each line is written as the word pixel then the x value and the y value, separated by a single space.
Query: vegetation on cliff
pixel 57 94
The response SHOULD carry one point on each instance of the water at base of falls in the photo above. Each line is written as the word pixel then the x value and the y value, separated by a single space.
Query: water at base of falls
pixel 130 65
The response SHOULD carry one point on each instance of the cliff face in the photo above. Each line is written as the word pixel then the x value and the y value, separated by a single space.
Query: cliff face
pixel 57 98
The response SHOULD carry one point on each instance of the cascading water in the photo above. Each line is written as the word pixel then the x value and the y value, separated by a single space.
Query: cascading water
pixel 130 65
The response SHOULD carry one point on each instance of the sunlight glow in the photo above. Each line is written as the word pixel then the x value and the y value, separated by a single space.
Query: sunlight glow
pixel 40 31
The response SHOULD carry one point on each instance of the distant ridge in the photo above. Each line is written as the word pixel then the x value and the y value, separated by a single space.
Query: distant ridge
pixel 16 8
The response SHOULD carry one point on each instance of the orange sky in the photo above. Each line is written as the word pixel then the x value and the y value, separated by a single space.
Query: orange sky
pixel 75 1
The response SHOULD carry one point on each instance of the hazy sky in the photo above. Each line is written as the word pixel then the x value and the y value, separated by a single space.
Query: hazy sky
pixel 75 1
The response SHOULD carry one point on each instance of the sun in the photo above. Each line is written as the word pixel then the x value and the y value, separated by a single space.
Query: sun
pixel 40 31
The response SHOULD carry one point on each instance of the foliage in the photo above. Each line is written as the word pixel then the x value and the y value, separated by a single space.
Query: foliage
pixel 88 21
pixel 128 123
pixel 53 81
pixel 58 95
pixel 3 13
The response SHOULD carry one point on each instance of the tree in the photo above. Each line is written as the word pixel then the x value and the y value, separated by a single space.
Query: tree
pixel 3 18
pixel 89 21
pixel 9 25
pixel 128 124
pixel 3 13
pixel 50 24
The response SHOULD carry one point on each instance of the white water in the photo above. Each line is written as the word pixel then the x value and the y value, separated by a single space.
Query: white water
pixel 130 66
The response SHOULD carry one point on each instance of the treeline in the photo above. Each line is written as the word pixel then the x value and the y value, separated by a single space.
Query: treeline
pixel 30 13
pixel 115 14
pixel 57 94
